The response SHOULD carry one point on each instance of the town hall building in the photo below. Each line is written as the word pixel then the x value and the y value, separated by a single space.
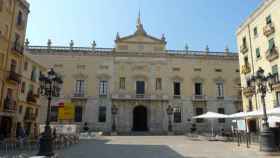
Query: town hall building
pixel 133 86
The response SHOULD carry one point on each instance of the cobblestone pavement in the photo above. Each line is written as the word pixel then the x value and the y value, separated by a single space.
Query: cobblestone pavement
pixel 158 147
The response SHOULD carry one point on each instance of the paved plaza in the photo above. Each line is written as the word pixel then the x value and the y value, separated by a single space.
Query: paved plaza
pixel 157 147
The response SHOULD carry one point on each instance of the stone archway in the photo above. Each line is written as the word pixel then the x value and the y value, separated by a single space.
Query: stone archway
pixel 140 119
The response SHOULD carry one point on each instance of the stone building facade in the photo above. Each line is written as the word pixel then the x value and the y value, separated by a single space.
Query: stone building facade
pixel 140 78
pixel 258 38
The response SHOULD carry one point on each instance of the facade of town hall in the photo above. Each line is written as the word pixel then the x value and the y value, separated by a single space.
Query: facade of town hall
pixel 139 79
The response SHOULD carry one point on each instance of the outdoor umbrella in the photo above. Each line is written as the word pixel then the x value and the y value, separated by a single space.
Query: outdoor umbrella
pixel 238 115
pixel 211 116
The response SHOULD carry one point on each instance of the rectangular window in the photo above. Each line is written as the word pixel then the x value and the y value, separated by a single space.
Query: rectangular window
pixel 258 54
pixel 102 114
pixel 23 87
pixel 122 83
pixel 13 66
pixel 177 115
pixel 246 60
pixel 255 31
pixel 19 18
pixel 34 74
pixel 199 111
pixel 78 114
pixel 80 87
pixel 271 44
pixel 274 71
pixel 268 20
pixel 198 88
pixel 221 111
pixel 17 40
pixel 218 70
pixel 158 84
pixel 103 88
pixel 177 88
pixel 244 42
pixel 250 105
pixel 220 89
pixel 20 109
pixel 140 87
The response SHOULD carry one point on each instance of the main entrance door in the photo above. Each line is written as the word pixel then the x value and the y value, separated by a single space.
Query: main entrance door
pixel 140 119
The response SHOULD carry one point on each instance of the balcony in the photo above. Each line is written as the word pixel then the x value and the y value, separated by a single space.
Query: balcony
pixel 272 54
pixel 276 83
pixel 249 91
pixel 31 98
pixel 245 69
pixel 243 49
pixel 17 48
pixel 79 95
pixel 9 105
pixel 199 98
pixel 13 76
pixel 139 97
pixel 268 29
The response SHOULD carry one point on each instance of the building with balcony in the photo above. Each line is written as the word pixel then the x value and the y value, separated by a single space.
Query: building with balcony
pixel 141 78
pixel 260 33
pixel 13 17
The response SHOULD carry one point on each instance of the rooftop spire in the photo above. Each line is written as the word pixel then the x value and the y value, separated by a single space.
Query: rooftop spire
pixel 139 25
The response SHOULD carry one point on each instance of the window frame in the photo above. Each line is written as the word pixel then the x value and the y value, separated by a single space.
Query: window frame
pixel 200 89
pixel 220 89
pixel 177 114
pixel 103 88
pixel 80 86
pixel 140 87
pixel 102 114
pixel 258 53
pixel 158 84
pixel 122 83
pixel 177 88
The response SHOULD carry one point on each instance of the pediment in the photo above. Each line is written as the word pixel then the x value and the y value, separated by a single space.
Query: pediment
pixel 142 38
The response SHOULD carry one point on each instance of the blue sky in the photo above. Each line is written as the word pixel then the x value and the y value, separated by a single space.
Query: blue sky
pixel 195 22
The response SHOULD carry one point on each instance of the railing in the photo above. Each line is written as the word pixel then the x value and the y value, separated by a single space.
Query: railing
pixel 111 50
pixel 32 98
pixel 139 97
pixel 30 116
pixel 243 48
pixel 13 76
pixel 9 105
pixel 272 54
pixel 268 29
pixel 79 95
pixel 17 48
pixel 245 69
pixel 199 97
pixel 249 91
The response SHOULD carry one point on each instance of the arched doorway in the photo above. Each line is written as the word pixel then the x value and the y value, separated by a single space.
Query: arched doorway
pixel 140 119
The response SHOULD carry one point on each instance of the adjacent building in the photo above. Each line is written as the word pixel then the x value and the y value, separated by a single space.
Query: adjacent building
pixel 140 78
pixel 13 17
pixel 258 39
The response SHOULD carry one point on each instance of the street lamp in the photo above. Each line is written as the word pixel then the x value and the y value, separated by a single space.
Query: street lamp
pixel 114 113
pixel 50 86
pixel 169 111
pixel 263 85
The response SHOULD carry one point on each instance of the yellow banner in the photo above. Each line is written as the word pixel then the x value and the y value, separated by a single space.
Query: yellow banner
pixel 67 112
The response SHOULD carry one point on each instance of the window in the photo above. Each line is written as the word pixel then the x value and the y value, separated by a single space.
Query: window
pixel 197 69
pixel 102 114
pixel 23 87
pixel 250 105
pixel 13 65
pixel 198 88
pixel 20 109
pixel 122 83
pixel 17 40
pixel 25 66
pixel 140 87
pixel 78 114
pixel 199 111
pixel 1 5
pixel 220 89
pixel 103 88
pixel 80 87
pixel 33 74
pixel 19 18
pixel 271 44
pixel 244 42
pixel 274 71
pixel 221 111
pixel 237 70
pixel 268 20
pixel 177 88
pixel 218 70
pixel 158 84
pixel 277 99
pixel 258 54
pixel 246 61
pixel 177 115
pixel 255 31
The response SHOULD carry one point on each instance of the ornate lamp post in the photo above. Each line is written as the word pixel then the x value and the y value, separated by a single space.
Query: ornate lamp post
pixel 263 85
pixel 50 87
pixel 114 113
pixel 169 111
